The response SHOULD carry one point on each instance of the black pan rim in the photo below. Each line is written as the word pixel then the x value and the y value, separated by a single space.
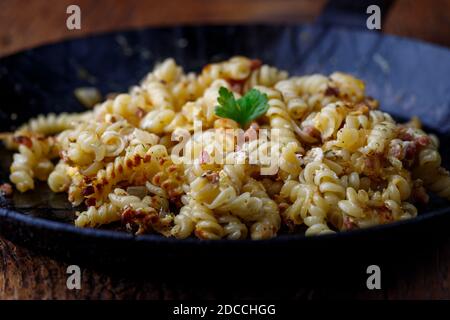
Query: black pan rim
pixel 161 240
pixel 222 25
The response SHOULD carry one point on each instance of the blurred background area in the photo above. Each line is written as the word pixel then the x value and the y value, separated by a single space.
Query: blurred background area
pixel 28 23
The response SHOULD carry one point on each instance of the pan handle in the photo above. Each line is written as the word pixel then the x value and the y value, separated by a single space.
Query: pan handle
pixel 350 13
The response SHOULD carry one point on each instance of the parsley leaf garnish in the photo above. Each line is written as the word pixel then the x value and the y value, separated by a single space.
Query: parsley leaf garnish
pixel 251 106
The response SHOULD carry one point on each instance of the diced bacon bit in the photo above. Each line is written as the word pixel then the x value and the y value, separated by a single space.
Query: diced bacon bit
pixel 204 157
pixel 140 113
pixel 237 85
pixel 312 132
pixel 147 158
pixel 143 220
pixel 422 141
pixel 385 215
pixel 396 151
pixel 127 215
pixel 331 92
pixel 137 160
pixel 109 159
pixel 152 217
pixel 129 163
pixel 349 224
pixel 174 195
pixel 130 215
pixel 26 141
pixel 405 134
pixel 372 165
pixel 212 176
pixel 155 201
pixel 6 189
pixel 283 206
pixel 417 142
pixel 255 64
pixel 410 151
pixel 125 184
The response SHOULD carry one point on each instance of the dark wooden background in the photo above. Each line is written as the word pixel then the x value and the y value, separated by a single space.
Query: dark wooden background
pixel 26 23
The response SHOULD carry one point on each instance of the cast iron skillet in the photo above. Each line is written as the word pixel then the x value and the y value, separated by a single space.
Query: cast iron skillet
pixel 408 77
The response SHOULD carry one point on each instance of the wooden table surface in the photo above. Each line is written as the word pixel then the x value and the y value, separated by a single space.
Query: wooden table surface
pixel 27 275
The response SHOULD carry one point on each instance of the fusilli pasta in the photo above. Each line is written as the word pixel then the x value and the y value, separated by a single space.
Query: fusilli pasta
pixel 341 163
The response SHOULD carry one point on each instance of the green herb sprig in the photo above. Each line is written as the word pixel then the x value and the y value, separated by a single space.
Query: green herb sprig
pixel 251 106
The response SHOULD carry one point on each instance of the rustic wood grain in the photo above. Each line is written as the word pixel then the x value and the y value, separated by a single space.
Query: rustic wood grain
pixel 425 20
pixel 27 275
pixel 23 24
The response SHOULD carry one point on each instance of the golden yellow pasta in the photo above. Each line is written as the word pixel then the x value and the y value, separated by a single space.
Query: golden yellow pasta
pixel 240 150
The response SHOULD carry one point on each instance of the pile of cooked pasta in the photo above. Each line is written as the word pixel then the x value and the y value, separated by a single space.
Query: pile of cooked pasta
pixel 343 163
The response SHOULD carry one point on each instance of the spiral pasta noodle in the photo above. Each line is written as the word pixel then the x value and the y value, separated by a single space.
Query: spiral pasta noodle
pixel 32 161
pixel 158 159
